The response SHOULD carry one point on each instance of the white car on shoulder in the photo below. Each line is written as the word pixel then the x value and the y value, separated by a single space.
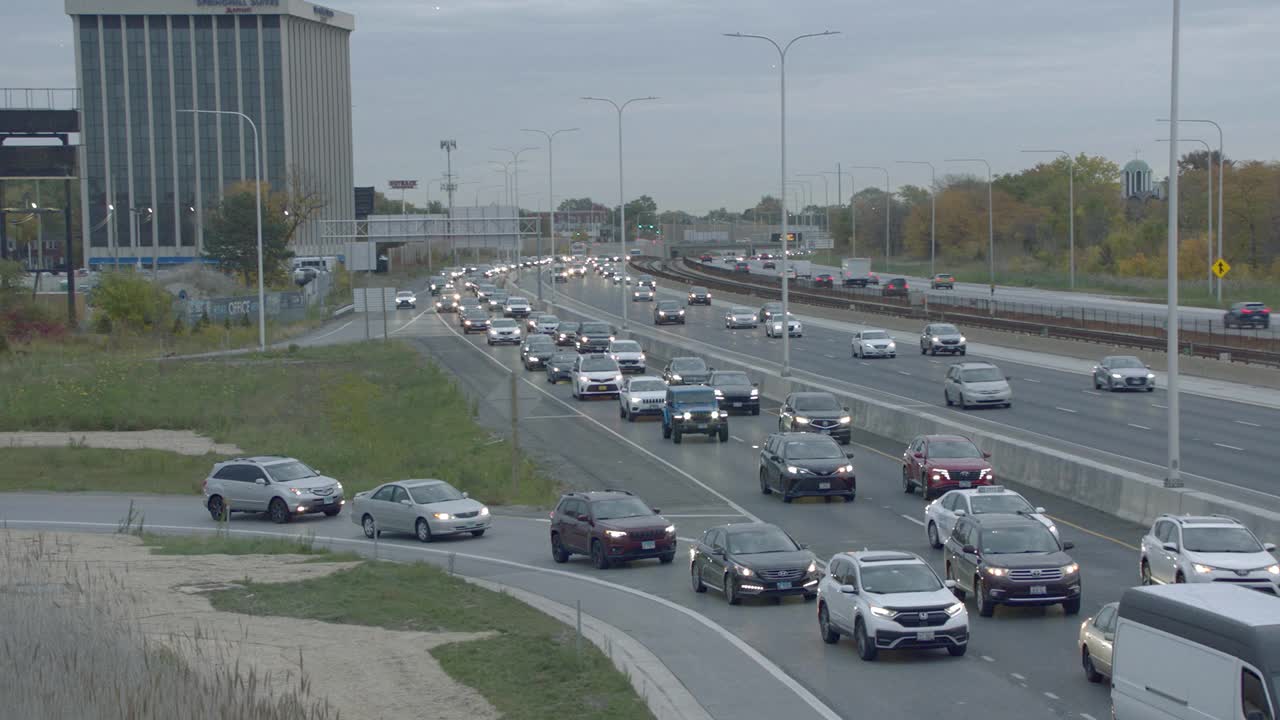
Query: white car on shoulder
pixel 641 395
pixel 426 508
pixel 873 342
pixel 941 514
pixel 773 327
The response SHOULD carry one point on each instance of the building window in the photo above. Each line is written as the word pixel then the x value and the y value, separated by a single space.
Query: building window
pixel 228 85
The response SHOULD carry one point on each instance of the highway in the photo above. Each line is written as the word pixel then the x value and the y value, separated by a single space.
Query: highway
pixel 1222 441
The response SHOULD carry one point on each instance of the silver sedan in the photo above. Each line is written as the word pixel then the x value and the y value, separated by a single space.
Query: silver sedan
pixel 425 508
pixel 740 317
pixel 1097 640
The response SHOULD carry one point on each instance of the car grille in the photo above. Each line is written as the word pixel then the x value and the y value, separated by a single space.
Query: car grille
pixel 950 342
pixel 1036 575
pixel 628 362
pixel 654 534
pixel 1135 381
pixel 921 617
pixel 324 491
pixel 464 515
pixel 648 401
pixel 701 416
pixel 966 475
pixel 824 424
pixel 776 575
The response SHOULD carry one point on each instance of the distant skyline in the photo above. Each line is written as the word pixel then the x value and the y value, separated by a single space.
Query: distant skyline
pixel 922 81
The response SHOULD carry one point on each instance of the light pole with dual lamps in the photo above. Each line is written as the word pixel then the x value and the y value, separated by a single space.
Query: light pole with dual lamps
pixel 550 135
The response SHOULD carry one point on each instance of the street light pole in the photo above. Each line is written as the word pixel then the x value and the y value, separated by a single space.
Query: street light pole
pixel 991 219
pixel 1071 207
pixel 888 205
pixel 1208 153
pixel 622 198
pixel 257 186
pixel 515 172
pixel 782 175
pixel 933 212
pixel 1171 331
pixel 551 200
pixel 448 146
pixel 1221 175
pixel 826 193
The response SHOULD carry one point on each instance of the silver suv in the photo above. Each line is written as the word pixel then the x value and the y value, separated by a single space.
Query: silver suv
pixel 279 486
pixel 976 383
pixel 1212 548
pixel 889 601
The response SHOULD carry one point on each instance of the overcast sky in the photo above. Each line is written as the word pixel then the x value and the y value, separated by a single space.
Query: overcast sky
pixel 912 79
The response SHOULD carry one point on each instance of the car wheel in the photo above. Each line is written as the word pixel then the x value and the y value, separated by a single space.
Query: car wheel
pixel 986 608
pixel 907 486
pixel 1090 672
pixel 958 650
pixel 933 352
pixel 923 350
pixel 622 411
pixel 724 434
pixel 695 579
pixel 558 553
pixel 667 558
pixel 422 530
pixel 764 484
pixel 963 404
pixel 1150 389
pixel 478 533
pixel 963 352
pixel 1144 573
pixel 1096 386
pixel 957 590
pixel 755 411
pixel 332 512
pixel 1071 607
pixel 676 436
pixel 370 527
pixel 830 635
pixel 666 430
pixel 1179 578
pixel 279 512
pixel 598 557
pixel 731 591
pixel 946 397
pixel 217 508
pixel 866 646
pixel 934 541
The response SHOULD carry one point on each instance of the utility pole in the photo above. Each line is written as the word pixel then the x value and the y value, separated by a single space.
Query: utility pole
pixel 449 146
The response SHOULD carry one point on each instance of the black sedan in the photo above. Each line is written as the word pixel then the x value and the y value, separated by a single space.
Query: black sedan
pixel 536 351
pixel 753 559
pixel 560 366
pixel 699 295
pixel 1247 314
pixel 567 334
pixel 735 391
pixel 668 311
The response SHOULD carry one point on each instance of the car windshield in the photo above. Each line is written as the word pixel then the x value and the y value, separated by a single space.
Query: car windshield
pixel 563 358
pixel 598 364
pixel 569 327
pixel 498 296
pixel 945 330
pixel 813 450
pixel 517 301
pixel 730 378
pixel 988 374
pixel 626 346
pixel 504 323
pixel 760 540
pixel 687 365
pixel 1220 540
pixel 548 319
pixel 698 290
pixel 816 402
pixel 1018 539
pixel 434 493
pixel 943 277
pixel 698 397
pixel 1009 503
pixel 288 471
pixel 899 578
pixel 741 311
pixel 953 449
pixel 540 342
pixel 667 305
pixel 875 335
pixel 1126 362
pixel 773 307
pixel 405 293
pixel 594 329
pixel 620 508
pixel 638 386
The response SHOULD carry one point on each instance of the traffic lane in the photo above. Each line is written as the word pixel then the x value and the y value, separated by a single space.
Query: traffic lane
pixel 1045 400
pixel 884 517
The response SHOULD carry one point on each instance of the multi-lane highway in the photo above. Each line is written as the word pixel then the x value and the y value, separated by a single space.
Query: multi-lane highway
pixel 1223 441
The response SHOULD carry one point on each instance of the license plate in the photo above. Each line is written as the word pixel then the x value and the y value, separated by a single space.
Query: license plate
pixel 328 501
pixel 784 585
pixel 824 486
pixel 924 635
pixel 737 404
pixel 965 484
pixel 602 387
pixel 648 544
pixel 701 426
pixel 1038 590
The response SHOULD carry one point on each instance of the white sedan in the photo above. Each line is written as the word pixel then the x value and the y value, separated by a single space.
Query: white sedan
pixel 773 327
pixel 425 508
pixel 940 515
pixel 873 343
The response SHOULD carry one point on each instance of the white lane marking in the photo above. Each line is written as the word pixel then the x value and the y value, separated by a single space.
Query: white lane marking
pixel 611 431
pixel 1051 696
pixel 1245 422
pixel 1087 716
pixel 415 319
pixel 1031 380
pixel 1019 677
pixel 1065 410
pixel 908 518
pixel 549 417
pixel 735 438
pixel 1140 427
pixel 903 372
pixel 864 362
pixel 765 663
pixel 1091 392
pixel 988 658
pixel 1229 447
pixel 829 356
pixel 936 362
pixel 338 329
pixel 1158 405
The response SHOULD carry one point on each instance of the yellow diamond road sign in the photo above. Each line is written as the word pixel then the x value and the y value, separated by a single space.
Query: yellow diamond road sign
pixel 1221 268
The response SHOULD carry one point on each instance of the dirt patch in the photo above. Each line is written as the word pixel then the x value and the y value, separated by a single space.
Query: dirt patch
pixel 361 671
pixel 184 442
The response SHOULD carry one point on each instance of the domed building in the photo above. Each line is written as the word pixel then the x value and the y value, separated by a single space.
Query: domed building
pixel 1136 182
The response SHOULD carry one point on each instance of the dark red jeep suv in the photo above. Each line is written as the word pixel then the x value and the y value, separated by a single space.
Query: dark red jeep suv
pixel 938 463
pixel 610 526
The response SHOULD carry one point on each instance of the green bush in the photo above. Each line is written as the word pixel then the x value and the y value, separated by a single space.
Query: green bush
pixel 127 300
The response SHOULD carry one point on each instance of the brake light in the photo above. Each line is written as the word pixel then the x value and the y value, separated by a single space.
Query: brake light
pixel 1266 309
pixel 1245 311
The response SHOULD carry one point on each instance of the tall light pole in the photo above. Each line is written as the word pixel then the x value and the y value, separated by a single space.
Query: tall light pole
pixel 137 215
pixel 807 195
pixel 1221 174
pixel 551 201
pixel 257 186
pixel 888 205
pixel 782 172
pixel 1174 478
pixel 1071 206
pixel 622 198
pixel 839 195
pixel 991 219
pixel 448 146
pixel 1208 153
pixel 933 212
pixel 515 173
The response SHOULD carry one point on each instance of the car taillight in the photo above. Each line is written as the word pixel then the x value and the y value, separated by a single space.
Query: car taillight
pixel 1266 309
pixel 1245 311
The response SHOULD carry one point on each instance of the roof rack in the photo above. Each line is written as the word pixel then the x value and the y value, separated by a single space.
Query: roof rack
pixel 616 490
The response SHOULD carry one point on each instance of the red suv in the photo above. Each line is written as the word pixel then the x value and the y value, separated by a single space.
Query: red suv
pixel 938 463
pixel 741 267
pixel 611 526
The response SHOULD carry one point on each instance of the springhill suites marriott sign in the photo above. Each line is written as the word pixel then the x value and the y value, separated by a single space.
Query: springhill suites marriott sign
pixel 238 3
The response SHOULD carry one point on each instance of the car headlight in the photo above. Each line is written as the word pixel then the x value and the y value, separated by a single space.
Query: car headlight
pixel 715 414
pixel 964 339
pixel 442 516
pixel 845 420
pixel 615 534
pixel 675 376
pixel 743 571
pixel 439 304
pixel 792 469
pixel 719 394
pixel 1202 569
pixel 996 571
pixel 1274 569
pixel 813 567
pixel 484 512
pixel 457 296
pixel 1115 376
pixel 1151 376
pixel 802 420
pixel 617 378
pixel 555 369
pixel 846 468
pixel 881 612
pixel 985 473
pixel 466 322
pixel 662 313
pixel 642 357
pixel 956 609
pixel 687 416
pixel 294 490
pixel 893 345
pixel 681 312
pixel 755 392
pixel 1071 569
pixel 933 339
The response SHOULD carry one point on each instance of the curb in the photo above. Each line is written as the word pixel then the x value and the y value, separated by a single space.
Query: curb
pixel 344 310
pixel 664 693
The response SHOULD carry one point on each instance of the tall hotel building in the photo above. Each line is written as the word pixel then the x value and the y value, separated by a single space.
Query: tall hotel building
pixel 149 173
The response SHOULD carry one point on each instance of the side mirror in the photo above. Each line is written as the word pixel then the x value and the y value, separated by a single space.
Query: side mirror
pixel 961 513
pixel 1269 547
pixel 803 546
pixel 1040 510
pixel 407 502
pixel 755 385
pixel 918 455
pixel 849 454
pixel 260 481
pixel 1109 637
pixel 1171 547
pixel 1068 545
pixel 849 589
pixel 969 550
pixel 986 455
pixel 717 551
pixel 657 511
pixel 950 584
pixel 466 495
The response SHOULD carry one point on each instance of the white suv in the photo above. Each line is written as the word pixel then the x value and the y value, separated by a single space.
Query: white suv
pixel 1213 548
pixel 941 514
pixel 595 374
pixel 280 486
pixel 890 601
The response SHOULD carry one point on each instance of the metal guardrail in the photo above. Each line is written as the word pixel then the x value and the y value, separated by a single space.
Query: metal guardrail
pixel 39 99
pixel 1078 326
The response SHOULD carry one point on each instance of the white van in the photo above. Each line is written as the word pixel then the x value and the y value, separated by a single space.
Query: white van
pixel 1196 652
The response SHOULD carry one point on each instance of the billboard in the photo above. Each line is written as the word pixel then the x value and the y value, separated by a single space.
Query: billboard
pixel 38 161
pixel 364 202
pixel 402 184
pixel 791 237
